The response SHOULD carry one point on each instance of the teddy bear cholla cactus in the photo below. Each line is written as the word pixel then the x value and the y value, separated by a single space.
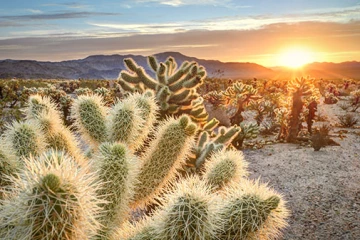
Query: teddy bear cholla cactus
pixel 117 178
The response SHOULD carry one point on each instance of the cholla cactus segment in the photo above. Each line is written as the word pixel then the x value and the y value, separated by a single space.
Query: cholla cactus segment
pixel 52 198
pixel 125 123
pixel 165 155
pixel 89 113
pixel 224 167
pixel 252 211
pixel 188 212
pixel 118 169
pixel 146 103
pixel 37 104
pixel 24 138
pixel 9 166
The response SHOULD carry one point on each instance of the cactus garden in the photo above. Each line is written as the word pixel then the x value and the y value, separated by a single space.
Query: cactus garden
pixel 168 154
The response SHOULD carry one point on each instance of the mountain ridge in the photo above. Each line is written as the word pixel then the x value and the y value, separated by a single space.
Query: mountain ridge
pixel 109 66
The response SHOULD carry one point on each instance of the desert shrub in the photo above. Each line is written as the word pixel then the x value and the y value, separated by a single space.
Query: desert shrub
pixel 320 137
pixel 347 120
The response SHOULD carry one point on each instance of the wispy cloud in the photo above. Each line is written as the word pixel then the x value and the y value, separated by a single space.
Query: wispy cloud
pixel 34 11
pixel 74 5
pixel 57 15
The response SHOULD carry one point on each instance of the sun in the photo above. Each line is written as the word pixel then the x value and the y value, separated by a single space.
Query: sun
pixel 295 58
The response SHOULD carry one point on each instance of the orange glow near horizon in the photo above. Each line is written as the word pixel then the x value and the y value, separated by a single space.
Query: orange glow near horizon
pixel 295 57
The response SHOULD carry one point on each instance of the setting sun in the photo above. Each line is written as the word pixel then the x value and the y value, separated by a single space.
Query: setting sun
pixel 295 58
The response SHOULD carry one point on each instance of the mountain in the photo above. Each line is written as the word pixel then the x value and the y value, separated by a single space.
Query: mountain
pixel 109 67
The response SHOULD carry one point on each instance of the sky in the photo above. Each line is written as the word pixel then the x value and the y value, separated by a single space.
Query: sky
pixel 227 30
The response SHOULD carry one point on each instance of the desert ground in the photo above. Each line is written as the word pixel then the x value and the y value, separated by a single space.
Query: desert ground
pixel 321 187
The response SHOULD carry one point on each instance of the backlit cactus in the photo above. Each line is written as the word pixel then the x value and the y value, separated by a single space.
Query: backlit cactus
pixel 188 212
pixel 251 211
pixel 175 88
pixel 51 199
pixel 248 131
pixel 24 139
pixel 224 167
pixel 118 169
pixel 44 112
pixel 165 155
pixel 90 113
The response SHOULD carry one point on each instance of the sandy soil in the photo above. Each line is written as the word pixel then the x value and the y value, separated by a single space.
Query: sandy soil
pixel 322 188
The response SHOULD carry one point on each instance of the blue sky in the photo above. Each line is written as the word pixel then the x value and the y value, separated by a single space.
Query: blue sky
pixel 60 30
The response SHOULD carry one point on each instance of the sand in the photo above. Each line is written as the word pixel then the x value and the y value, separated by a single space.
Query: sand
pixel 322 189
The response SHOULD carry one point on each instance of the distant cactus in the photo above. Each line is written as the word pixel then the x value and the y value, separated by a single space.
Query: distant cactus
pixel 240 95
pixel 175 88
pixel 248 131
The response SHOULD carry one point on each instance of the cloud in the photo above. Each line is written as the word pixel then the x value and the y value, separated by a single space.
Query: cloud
pixel 74 5
pixel 57 15
pixel 34 11
pixel 329 41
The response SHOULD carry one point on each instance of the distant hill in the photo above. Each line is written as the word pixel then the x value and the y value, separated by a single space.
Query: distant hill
pixel 109 67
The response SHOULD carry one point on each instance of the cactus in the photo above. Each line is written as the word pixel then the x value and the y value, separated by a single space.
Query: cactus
pixel 240 95
pixel 50 200
pixel 298 88
pixel 58 136
pixel 89 113
pixel 118 169
pixel 248 131
pixel 124 123
pixel 100 193
pixel 209 142
pixel 175 88
pixel 24 138
pixel 224 167
pixel 165 155
pixel 9 166
pixel 188 212
pixel 251 211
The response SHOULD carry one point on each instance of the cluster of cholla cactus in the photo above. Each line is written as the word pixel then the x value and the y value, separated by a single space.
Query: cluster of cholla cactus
pixel 54 187
pixel 175 87
pixel 302 94
pixel 248 131
pixel 240 95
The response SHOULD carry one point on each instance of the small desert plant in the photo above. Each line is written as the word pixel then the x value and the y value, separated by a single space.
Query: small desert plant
pixel 348 120
pixel 320 137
